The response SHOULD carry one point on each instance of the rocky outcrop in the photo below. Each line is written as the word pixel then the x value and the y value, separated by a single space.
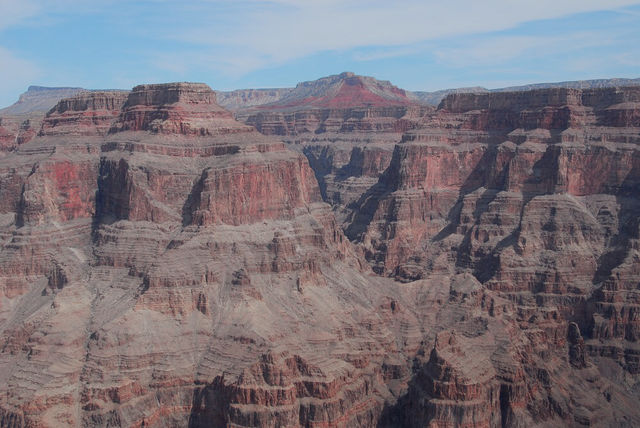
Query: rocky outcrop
pixel 180 108
pixel 434 98
pixel 244 98
pixel 346 125
pixel 89 113
pixel 163 264
pixel 38 99
pixel 154 275
pixel 41 111
pixel 535 194
pixel 559 146
pixel 17 130
pixel 336 104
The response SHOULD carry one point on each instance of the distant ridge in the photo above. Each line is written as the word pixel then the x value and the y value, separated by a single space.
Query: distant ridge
pixel 243 98
pixel 575 84
pixel 40 99
pixel 435 97
pixel 331 91
pixel 344 90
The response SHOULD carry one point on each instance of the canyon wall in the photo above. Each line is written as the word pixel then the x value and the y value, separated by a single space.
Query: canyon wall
pixel 163 264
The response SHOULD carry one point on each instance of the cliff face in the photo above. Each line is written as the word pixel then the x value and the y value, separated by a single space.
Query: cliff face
pixel 243 98
pixel 340 103
pixel 346 125
pixel 80 111
pixel 89 113
pixel 559 144
pixel 165 265
pixel 166 271
pixel 16 130
pixel 536 195
pixel 39 99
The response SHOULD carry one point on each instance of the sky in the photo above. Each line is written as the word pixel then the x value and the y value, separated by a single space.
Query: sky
pixel 231 44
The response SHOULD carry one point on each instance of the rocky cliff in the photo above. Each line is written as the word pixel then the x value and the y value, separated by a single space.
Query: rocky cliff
pixel 346 125
pixel 20 122
pixel 39 99
pixel 244 98
pixel 536 195
pixel 16 130
pixel 434 98
pixel 163 264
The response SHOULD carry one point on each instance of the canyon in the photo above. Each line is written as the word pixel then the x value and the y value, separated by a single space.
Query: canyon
pixel 336 254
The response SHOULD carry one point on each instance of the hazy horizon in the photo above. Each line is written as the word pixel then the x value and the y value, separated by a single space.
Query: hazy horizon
pixel 417 45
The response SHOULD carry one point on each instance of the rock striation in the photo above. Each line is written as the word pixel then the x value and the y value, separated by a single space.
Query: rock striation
pixel 16 130
pixel 241 99
pixel 23 120
pixel 39 99
pixel 162 264
pixel 536 195
pixel 346 125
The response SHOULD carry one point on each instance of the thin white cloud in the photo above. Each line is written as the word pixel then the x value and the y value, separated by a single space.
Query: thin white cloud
pixel 628 58
pixel 236 37
pixel 297 28
pixel 15 75
pixel 386 53
pixel 500 49
pixel 13 12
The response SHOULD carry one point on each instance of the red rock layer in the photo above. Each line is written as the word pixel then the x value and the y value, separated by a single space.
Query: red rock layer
pixel 346 125
pixel 179 108
pixel 536 194
pixel 89 113
pixel 345 90
pixel 154 278
pixel 16 130
pixel 164 275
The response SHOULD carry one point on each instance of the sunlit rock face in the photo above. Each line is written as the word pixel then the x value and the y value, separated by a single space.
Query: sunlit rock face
pixel 163 264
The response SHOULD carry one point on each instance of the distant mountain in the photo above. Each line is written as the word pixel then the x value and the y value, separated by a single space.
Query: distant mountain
pixel 345 90
pixel 243 98
pixel 574 84
pixel 39 99
pixel 341 90
pixel 434 98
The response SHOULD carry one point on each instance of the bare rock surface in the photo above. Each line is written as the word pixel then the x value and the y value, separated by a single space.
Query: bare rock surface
pixel 243 98
pixel 162 264
pixel 18 129
pixel 23 120
pixel 162 270
pixel 39 99
pixel 536 195
pixel 346 125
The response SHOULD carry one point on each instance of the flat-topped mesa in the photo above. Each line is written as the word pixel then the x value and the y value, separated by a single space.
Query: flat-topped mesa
pixel 86 114
pixel 176 108
pixel 343 103
pixel 552 97
pixel 345 90
pixel 244 98
pixel 554 108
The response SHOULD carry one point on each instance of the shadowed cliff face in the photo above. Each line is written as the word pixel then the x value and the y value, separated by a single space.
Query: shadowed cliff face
pixel 162 264
pixel 346 125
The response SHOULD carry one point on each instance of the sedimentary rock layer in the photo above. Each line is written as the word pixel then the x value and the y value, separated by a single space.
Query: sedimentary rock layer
pixel 162 264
